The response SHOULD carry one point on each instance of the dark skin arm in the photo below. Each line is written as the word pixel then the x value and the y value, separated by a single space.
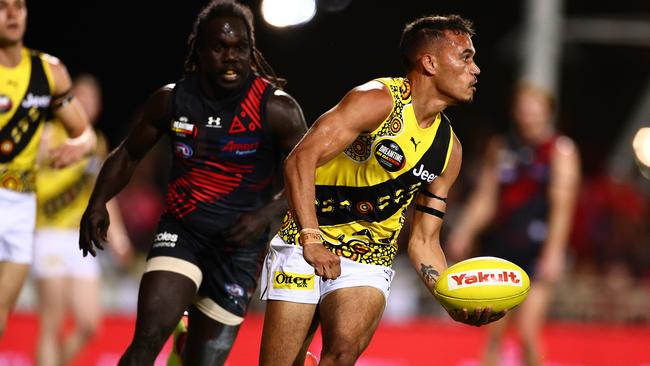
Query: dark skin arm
pixel 119 167
pixel 288 126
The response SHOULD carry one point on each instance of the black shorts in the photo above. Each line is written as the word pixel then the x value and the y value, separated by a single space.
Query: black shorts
pixel 229 274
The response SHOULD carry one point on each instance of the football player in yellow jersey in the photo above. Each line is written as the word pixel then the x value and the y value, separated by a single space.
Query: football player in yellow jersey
pixel 64 284
pixel 32 84
pixel 362 162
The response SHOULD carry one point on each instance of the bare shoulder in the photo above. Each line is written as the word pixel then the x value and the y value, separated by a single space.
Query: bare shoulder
pixel 280 100
pixel 565 158
pixel 372 92
pixel 369 103
pixel 60 75
pixel 157 109
pixel 285 116
pixel 565 147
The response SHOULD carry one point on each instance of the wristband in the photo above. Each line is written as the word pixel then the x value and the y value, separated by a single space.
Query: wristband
pixel 308 236
pixel 88 139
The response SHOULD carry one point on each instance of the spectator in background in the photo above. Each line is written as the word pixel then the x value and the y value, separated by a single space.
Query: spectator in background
pixel 64 283
pixel 524 203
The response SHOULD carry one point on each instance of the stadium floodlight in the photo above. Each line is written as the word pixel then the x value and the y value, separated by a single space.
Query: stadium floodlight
pixel 287 13
pixel 641 145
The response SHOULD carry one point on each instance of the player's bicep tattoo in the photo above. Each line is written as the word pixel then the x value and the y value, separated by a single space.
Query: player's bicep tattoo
pixel 429 273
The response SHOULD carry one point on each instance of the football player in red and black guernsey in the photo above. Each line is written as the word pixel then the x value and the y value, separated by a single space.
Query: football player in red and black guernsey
pixel 229 127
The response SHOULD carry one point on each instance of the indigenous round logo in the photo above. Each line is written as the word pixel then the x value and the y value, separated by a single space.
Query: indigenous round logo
pixel 6 147
pixel 389 155
pixel 5 103
pixel 395 125
pixel 364 207
pixel 405 90
pixel 359 148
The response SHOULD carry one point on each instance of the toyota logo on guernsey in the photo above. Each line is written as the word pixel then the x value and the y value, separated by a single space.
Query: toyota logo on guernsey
pixel 293 281
pixel 484 277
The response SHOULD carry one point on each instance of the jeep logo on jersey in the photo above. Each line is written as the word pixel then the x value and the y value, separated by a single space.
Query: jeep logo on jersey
pixel 390 156
pixel 293 281
pixel 239 146
pixel 5 103
pixel 182 127
pixel 39 101
pixel 424 174
pixel 213 122
pixel 183 150
pixel 484 277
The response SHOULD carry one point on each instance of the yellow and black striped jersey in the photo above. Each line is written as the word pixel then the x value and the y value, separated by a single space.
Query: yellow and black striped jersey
pixel 362 193
pixel 25 96
pixel 62 194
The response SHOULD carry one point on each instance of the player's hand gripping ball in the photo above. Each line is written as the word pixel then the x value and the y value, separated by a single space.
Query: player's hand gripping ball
pixel 482 282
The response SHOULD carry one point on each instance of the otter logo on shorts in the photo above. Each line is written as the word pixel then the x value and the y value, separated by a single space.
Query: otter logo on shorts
pixel 293 281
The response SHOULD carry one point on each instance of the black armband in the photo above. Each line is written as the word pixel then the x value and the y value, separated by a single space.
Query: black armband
pixel 429 194
pixel 61 100
pixel 430 211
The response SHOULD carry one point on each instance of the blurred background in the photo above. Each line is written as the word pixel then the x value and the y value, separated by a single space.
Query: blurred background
pixel 594 55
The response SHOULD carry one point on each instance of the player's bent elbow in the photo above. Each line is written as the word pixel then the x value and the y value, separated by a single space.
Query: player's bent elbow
pixel 297 165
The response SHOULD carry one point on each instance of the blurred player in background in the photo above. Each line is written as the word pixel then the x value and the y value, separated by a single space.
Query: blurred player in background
pixel 32 85
pixel 524 203
pixel 63 283
pixel 229 126
pixel 385 144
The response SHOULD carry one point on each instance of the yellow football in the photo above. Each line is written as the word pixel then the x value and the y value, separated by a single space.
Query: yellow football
pixel 482 282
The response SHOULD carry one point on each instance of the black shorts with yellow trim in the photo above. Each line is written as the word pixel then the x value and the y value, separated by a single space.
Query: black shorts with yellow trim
pixel 225 275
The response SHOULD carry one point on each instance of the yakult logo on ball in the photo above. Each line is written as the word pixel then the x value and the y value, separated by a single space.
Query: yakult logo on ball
pixel 484 277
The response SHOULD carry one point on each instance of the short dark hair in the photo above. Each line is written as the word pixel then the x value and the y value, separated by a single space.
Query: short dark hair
pixel 424 30
pixel 228 8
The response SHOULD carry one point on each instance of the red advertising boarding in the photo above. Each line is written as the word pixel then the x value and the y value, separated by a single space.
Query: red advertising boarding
pixel 418 342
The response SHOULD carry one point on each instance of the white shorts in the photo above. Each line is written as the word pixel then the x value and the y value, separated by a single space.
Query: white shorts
pixel 57 254
pixel 287 276
pixel 17 221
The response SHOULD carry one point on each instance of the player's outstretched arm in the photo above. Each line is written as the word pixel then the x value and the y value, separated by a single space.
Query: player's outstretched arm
pixel 424 248
pixel 119 167
pixel 288 125
pixel 361 110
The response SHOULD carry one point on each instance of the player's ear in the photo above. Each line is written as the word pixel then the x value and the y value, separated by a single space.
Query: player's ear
pixel 429 64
